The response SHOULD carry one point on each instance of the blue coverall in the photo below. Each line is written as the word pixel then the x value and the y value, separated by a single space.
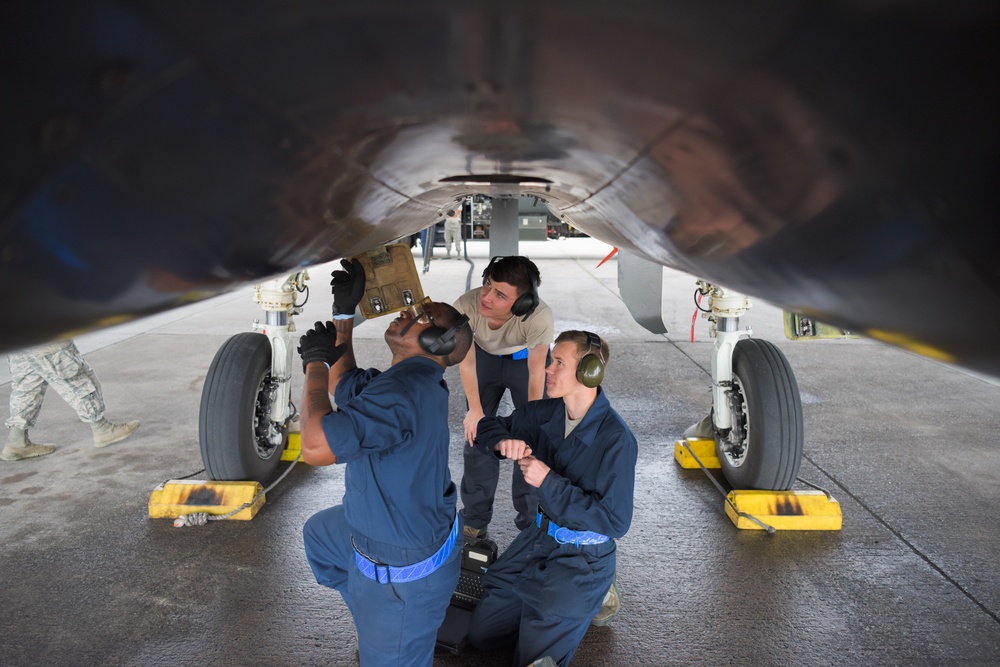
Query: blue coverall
pixel 391 429
pixel 540 593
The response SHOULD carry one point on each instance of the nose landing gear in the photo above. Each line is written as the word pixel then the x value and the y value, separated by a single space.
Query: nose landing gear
pixel 239 441
pixel 245 402
pixel 763 448
pixel 757 410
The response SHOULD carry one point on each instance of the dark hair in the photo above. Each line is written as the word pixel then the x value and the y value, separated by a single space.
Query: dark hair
pixel 515 270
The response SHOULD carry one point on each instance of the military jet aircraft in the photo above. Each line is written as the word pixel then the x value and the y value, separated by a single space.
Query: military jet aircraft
pixel 833 158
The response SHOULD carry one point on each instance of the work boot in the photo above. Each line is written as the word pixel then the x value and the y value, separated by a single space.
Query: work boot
pixel 609 608
pixel 703 430
pixel 20 447
pixel 472 534
pixel 106 433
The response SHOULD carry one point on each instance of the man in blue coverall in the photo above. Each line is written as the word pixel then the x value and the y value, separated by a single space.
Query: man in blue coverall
pixel 390 548
pixel 545 589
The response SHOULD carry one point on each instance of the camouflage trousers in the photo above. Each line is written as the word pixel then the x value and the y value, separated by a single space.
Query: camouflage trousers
pixel 453 234
pixel 60 365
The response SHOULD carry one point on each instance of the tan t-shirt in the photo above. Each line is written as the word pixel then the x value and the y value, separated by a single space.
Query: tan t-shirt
pixel 515 334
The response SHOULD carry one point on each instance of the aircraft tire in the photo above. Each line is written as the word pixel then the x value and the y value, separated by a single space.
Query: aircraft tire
pixel 767 405
pixel 232 425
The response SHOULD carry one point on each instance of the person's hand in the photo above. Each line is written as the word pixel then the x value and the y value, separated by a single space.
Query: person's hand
pixel 348 287
pixel 471 424
pixel 534 471
pixel 513 449
pixel 320 344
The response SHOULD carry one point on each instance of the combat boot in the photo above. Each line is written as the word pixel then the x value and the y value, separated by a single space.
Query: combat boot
pixel 703 430
pixel 20 447
pixel 106 433
pixel 472 534
pixel 609 607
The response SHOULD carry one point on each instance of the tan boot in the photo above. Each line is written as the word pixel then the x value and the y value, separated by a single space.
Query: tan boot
pixel 19 447
pixel 106 433
pixel 609 608
pixel 473 533
pixel 703 430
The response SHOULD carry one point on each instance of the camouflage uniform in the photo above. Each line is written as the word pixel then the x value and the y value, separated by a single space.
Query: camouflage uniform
pixel 60 365
pixel 453 234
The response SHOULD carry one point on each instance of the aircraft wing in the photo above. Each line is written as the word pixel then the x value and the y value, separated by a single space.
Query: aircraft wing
pixel 833 158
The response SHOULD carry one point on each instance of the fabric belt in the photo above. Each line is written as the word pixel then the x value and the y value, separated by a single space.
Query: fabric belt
pixel 385 574
pixel 520 354
pixel 565 535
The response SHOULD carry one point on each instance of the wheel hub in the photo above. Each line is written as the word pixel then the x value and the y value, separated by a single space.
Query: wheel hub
pixel 734 446
pixel 267 434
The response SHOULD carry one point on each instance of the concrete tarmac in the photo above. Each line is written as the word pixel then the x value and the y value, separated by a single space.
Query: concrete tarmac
pixel 907 446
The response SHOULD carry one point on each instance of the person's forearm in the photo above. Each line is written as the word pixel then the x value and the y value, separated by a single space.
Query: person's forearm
pixel 470 380
pixel 347 362
pixel 536 386
pixel 490 431
pixel 536 372
pixel 315 405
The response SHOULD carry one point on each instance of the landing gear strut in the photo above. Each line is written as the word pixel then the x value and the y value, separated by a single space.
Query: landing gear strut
pixel 246 400
pixel 756 407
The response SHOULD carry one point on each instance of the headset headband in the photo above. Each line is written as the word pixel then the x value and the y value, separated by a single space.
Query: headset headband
pixel 525 304
pixel 447 337
pixel 595 343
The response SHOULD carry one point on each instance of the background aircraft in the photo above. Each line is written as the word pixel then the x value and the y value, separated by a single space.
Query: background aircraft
pixel 833 158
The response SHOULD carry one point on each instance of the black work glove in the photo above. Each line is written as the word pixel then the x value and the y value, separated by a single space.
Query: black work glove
pixel 320 344
pixel 348 287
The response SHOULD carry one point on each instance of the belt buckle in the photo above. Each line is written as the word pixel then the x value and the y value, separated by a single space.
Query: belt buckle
pixel 375 564
pixel 542 521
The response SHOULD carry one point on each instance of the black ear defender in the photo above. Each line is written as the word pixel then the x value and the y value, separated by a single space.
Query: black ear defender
pixel 590 370
pixel 523 305
pixel 440 341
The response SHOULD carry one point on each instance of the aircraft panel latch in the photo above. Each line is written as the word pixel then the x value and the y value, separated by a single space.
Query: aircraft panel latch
pixel 800 327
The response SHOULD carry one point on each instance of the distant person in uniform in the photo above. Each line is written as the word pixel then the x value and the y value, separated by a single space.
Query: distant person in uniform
pixel 393 547
pixel 558 575
pixel 63 367
pixel 513 329
pixel 453 233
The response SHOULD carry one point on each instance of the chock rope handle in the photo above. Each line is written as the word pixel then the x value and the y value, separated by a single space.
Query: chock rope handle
pixel 202 518
pixel 750 517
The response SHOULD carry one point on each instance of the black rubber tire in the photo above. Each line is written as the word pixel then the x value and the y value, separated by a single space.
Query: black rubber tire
pixel 772 414
pixel 231 447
